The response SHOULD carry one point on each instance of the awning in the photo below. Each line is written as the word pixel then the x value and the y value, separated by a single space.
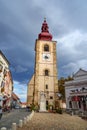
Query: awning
pixel 75 98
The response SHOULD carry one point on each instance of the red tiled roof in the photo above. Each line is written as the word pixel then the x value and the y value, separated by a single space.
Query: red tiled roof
pixel 14 96
pixel 23 103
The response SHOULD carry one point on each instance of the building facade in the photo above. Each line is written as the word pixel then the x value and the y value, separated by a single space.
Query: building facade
pixel 15 101
pixel 45 78
pixel 6 82
pixel 76 91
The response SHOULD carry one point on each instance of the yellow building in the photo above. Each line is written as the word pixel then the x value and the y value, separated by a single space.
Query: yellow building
pixel 44 79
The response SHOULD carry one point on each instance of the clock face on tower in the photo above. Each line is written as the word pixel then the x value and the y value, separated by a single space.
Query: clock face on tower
pixel 46 57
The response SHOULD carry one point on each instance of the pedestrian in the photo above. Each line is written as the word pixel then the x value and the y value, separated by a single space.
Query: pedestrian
pixel 0 112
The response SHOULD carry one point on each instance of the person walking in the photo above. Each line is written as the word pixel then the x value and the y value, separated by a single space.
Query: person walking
pixel 0 112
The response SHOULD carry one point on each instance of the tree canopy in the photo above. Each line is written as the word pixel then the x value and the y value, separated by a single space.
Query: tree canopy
pixel 61 85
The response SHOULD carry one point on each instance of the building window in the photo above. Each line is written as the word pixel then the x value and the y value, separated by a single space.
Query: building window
pixel 70 104
pixel 46 72
pixel 46 102
pixel 2 84
pixel 51 97
pixel 1 67
pixel 46 86
pixel 79 104
pixel 46 48
pixel 5 72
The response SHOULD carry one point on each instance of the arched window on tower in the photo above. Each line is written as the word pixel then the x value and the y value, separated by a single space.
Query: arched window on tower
pixel 46 47
pixel 46 72
pixel 46 86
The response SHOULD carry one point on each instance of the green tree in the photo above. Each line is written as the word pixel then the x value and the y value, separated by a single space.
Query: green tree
pixel 61 85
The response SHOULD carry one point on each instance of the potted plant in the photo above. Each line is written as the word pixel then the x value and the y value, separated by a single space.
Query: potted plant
pixel 59 110
pixel 50 108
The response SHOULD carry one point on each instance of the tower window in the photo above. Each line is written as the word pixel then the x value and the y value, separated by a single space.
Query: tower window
pixel 51 97
pixel 46 72
pixel 46 48
pixel 47 103
pixel 46 86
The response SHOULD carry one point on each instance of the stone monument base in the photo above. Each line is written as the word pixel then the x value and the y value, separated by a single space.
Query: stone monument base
pixel 43 111
pixel 42 107
pixel 42 102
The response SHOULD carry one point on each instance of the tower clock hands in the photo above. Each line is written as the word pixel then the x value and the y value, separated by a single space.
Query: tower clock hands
pixel 46 57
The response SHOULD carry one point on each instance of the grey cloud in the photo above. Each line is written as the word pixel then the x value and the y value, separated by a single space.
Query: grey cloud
pixel 72 52
pixel 20 24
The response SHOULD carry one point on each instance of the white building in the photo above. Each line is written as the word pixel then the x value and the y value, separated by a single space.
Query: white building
pixel 6 82
pixel 76 91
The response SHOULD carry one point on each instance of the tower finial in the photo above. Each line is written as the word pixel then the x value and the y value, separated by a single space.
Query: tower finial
pixel 44 19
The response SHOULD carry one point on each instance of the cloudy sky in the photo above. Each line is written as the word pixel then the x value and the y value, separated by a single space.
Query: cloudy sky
pixel 20 24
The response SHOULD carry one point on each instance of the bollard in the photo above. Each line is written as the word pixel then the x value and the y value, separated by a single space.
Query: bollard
pixel 28 118
pixel 3 128
pixel 82 113
pixel 20 123
pixel 25 120
pixel 72 113
pixel 14 126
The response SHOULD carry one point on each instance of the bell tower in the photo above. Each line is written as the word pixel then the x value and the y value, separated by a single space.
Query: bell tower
pixel 45 78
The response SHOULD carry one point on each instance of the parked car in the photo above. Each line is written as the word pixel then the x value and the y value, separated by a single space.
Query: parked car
pixel 17 107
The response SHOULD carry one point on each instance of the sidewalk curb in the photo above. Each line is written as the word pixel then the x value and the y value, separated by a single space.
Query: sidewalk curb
pixel 21 122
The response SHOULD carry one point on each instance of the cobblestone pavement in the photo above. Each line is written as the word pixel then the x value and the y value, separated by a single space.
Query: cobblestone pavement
pixel 13 117
pixel 50 121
